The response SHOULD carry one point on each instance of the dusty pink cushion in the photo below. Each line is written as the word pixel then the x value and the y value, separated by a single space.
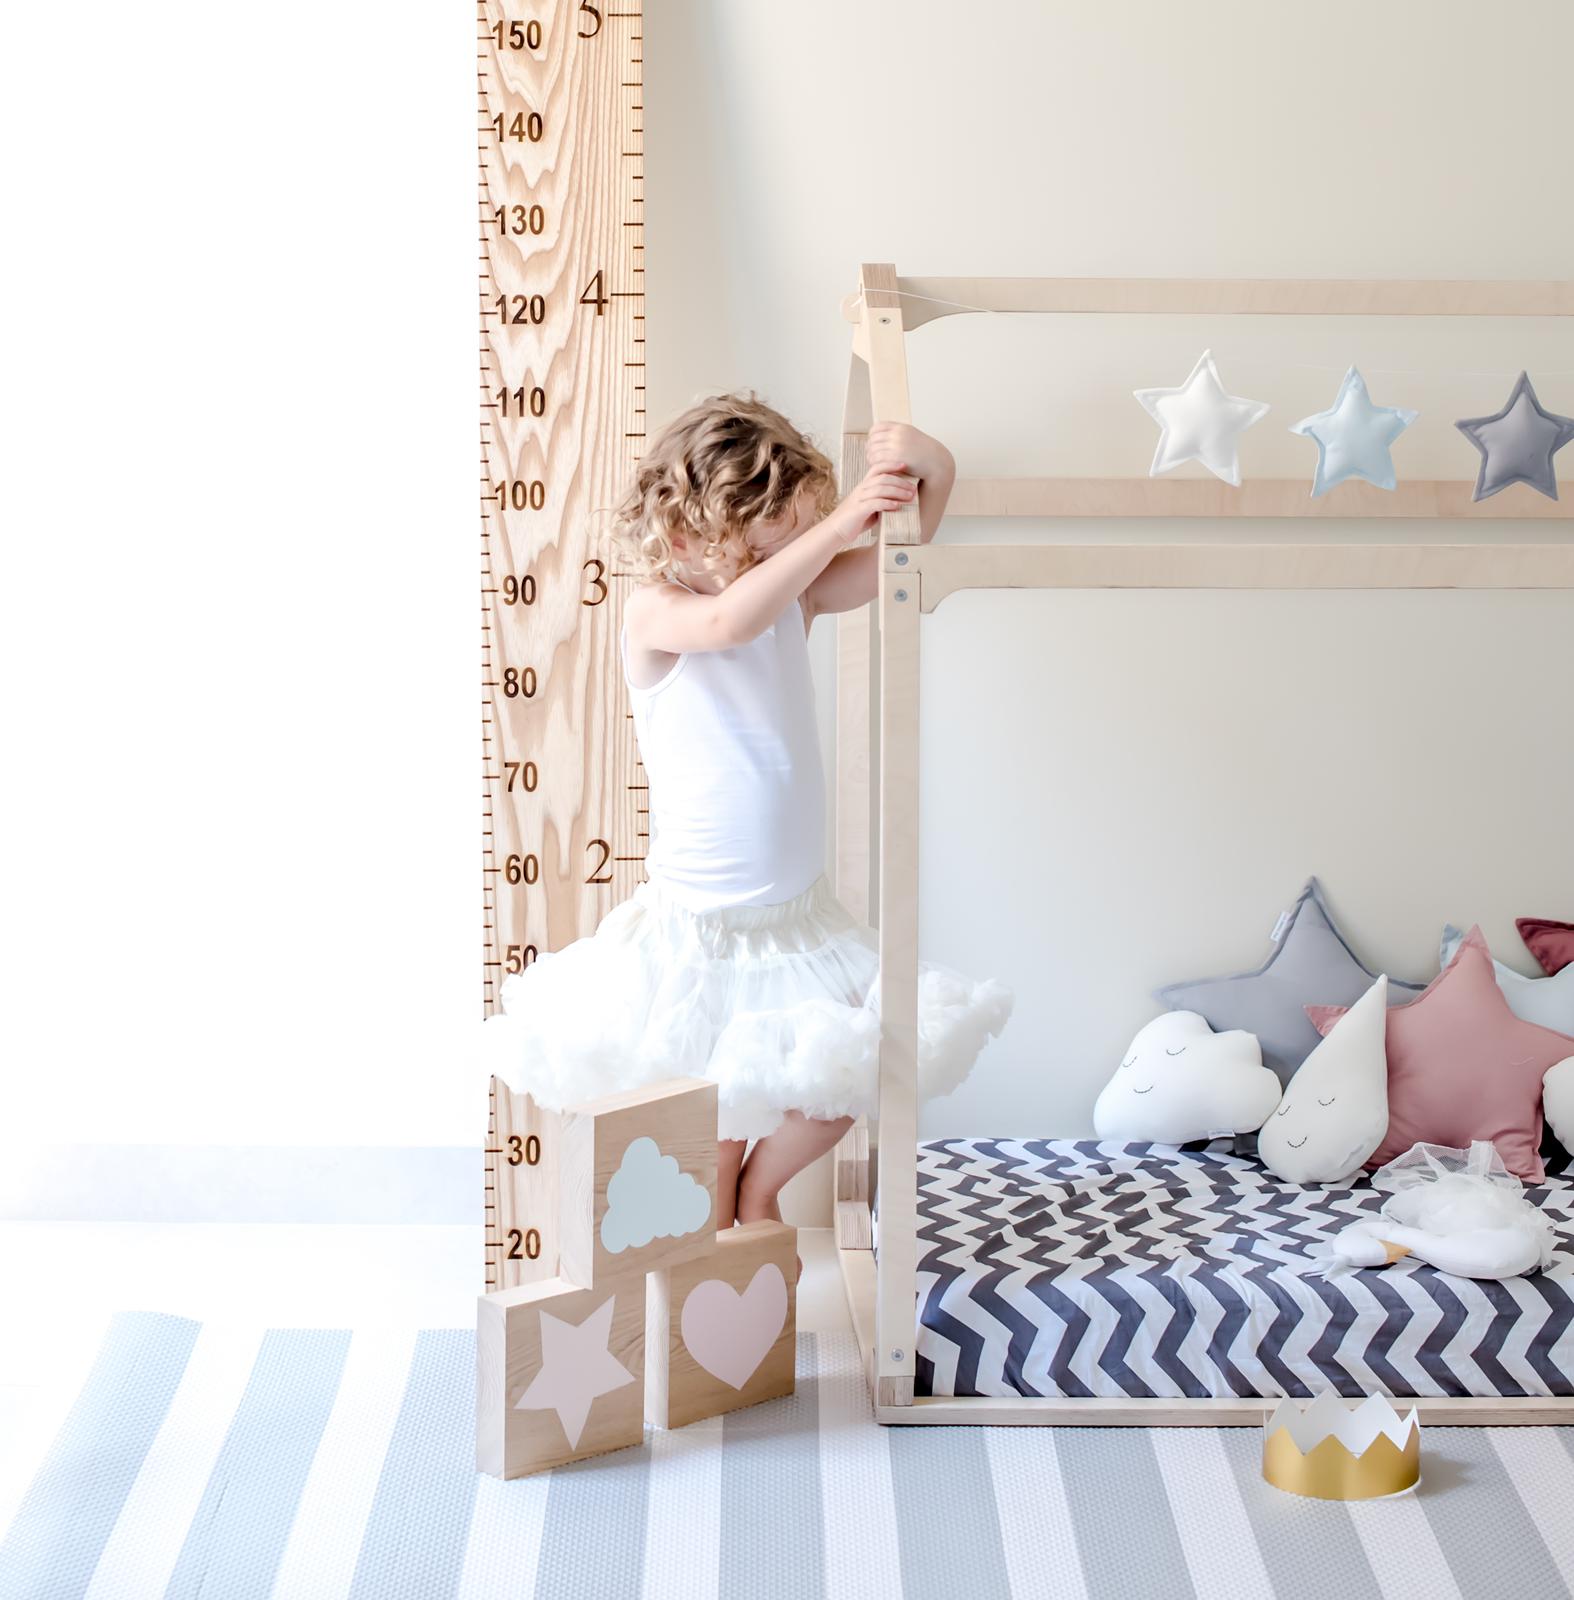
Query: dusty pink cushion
pixel 1462 1066
pixel 1551 943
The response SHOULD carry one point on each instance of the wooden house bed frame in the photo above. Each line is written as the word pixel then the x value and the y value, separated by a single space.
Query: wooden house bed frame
pixel 877 711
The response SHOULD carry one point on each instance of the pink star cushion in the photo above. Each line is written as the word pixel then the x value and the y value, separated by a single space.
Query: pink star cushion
pixel 1551 943
pixel 1462 1066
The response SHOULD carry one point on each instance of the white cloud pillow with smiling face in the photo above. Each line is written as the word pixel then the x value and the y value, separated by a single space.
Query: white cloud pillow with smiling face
pixel 1334 1113
pixel 1180 1080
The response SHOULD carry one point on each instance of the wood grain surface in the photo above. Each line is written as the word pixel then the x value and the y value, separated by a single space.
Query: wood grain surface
pixel 560 209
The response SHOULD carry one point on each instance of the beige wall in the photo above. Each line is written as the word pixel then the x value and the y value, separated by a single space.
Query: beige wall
pixel 1121 789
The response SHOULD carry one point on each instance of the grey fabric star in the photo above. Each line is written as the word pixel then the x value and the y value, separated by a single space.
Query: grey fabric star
pixel 1518 443
pixel 1310 957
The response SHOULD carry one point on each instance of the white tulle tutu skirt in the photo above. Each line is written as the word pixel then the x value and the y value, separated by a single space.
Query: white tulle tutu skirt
pixel 779 1004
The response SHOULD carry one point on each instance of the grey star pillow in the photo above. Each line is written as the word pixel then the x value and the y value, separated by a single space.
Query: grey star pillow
pixel 1311 964
pixel 1517 444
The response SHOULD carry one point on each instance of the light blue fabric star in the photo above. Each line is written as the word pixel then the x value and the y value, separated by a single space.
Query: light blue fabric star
pixel 1354 436
pixel 1518 443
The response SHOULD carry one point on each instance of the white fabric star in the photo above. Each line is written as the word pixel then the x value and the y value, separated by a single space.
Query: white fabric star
pixel 576 1367
pixel 1200 422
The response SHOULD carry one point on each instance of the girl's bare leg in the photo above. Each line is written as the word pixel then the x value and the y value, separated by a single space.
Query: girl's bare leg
pixel 729 1158
pixel 778 1157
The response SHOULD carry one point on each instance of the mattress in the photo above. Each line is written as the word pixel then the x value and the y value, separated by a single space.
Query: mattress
pixel 1081 1268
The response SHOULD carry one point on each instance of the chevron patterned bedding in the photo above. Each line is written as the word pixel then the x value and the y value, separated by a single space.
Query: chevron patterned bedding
pixel 1060 1267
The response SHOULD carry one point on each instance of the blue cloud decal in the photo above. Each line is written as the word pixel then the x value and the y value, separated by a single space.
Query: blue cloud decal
pixel 651 1197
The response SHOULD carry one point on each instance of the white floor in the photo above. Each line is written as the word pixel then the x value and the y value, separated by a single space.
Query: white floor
pixel 61 1282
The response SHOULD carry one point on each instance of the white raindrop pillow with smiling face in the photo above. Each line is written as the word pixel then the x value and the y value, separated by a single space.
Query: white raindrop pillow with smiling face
pixel 1180 1081
pixel 1334 1113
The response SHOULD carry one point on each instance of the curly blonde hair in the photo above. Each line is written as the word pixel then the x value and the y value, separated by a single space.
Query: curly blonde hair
pixel 727 462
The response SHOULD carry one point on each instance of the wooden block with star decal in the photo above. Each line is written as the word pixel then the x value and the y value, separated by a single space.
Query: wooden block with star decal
pixel 637 1181
pixel 721 1331
pixel 559 1373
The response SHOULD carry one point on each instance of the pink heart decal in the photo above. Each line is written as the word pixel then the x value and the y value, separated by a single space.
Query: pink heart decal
pixel 730 1334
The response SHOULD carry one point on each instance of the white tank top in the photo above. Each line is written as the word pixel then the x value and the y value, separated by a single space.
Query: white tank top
pixel 732 755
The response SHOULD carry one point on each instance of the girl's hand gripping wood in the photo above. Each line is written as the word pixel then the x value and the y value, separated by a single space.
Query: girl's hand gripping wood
pixel 891 450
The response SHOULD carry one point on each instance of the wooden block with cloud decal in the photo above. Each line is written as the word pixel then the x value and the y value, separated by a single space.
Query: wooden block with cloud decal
pixel 637 1181
pixel 559 1374
pixel 721 1331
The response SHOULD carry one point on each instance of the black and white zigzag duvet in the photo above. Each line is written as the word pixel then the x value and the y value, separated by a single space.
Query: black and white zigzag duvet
pixel 1059 1267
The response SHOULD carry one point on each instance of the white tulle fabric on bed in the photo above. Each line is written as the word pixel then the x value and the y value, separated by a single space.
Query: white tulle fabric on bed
pixel 1461 1211
pixel 778 1003
pixel 1446 1191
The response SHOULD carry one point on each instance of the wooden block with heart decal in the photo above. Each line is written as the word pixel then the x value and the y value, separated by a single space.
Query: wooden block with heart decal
pixel 637 1181
pixel 721 1331
pixel 559 1373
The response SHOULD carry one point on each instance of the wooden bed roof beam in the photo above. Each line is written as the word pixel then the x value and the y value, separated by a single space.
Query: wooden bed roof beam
pixel 924 299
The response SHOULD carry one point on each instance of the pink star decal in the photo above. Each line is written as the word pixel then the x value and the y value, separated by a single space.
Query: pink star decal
pixel 576 1367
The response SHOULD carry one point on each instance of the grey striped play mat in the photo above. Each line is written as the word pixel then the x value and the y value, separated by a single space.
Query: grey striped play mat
pixel 198 1459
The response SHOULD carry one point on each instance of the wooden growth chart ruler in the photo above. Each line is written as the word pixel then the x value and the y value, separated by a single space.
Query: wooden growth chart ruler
pixel 562 373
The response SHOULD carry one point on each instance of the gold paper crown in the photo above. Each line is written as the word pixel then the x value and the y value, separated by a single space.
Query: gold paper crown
pixel 1335 1451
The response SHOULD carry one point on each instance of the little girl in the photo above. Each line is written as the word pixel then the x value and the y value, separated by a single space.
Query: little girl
pixel 733 960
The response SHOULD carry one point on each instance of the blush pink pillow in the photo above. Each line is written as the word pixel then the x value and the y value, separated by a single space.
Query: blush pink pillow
pixel 1462 1066
pixel 1551 943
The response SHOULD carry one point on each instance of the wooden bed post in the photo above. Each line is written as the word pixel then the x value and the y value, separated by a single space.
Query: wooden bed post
pixel 856 826
pixel 879 340
pixel 857 689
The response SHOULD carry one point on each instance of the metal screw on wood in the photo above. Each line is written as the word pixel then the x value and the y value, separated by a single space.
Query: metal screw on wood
pixel 901 594
pixel 897 1355
pixel 901 559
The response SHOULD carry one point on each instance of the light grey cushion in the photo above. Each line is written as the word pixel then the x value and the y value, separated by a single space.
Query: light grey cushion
pixel 1311 964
